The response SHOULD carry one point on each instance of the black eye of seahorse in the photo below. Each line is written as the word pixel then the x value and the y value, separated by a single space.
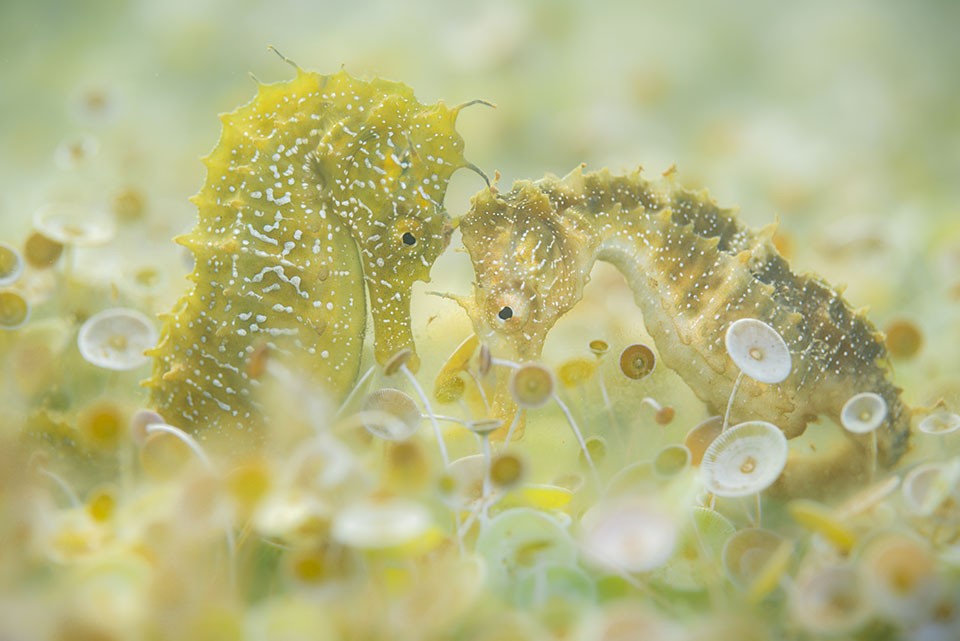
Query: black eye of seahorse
pixel 409 239
pixel 505 314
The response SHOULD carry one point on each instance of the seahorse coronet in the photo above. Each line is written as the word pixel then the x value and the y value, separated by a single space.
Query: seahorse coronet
pixel 322 191
pixel 694 268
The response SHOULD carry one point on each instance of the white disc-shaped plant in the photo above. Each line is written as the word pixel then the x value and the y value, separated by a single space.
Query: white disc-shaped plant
pixel 379 524
pixel 744 460
pixel 531 385
pixel 748 553
pixel 14 310
pixel 830 600
pixel 462 482
pixel 390 414
pixel 758 350
pixel 695 563
pixel 927 486
pixel 116 339
pixel 484 426
pixel 73 225
pixel 900 575
pixel 629 535
pixel 521 539
pixel 940 422
pixel 556 582
pixel 863 413
pixel 11 264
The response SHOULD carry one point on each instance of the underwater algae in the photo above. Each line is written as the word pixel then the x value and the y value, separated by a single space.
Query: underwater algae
pixel 348 520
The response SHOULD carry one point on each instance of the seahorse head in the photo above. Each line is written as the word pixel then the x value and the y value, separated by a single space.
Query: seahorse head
pixel 384 167
pixel 528 268
pixel 531 264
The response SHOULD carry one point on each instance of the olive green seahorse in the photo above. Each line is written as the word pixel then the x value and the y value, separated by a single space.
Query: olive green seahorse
pixel 320 189
pixel 694 268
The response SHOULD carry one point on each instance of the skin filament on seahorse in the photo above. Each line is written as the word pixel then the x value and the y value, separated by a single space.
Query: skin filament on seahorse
pixel 693 269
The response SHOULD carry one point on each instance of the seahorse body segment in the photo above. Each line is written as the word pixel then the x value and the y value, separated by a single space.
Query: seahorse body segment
pixel 319 190
pixel 694 269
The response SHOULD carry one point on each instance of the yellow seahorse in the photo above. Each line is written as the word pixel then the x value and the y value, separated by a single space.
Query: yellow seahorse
pixel 694 268
pixel 321 188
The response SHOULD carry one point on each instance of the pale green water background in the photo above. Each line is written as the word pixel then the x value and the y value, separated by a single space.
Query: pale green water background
pixel 840 118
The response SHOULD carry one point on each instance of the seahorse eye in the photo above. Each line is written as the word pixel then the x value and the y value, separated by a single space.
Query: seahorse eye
pixel 408 234
pixel 508 308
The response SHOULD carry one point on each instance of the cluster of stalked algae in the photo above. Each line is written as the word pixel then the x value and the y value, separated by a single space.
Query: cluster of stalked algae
pixel 595 499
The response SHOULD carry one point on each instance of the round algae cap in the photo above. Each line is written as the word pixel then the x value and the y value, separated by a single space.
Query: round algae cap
pixel 461 485
pixel 863 413
pixel 73 225
pixel 671 461
pixel 11 265
pixel 747 553
pixel 695 563
pixel 531 385
pixel 929 485
pixel 41 252
pixel 14 310
pixel 390 414
pixel 940 422
pixel 116 339
pixel 484 426
pixel 521 538
pixel 634 535
pixel 758 350
pixel 699 438
pixel 379 524
pixel 830 600
pixel 744 460
pixel 637 361
pixel 75 150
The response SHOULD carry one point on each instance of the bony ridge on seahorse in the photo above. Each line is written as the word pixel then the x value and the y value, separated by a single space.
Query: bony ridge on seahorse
pixel 694 269
pixel 322 190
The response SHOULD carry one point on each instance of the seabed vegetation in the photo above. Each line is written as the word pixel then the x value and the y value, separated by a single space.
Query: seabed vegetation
pixel 705 445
